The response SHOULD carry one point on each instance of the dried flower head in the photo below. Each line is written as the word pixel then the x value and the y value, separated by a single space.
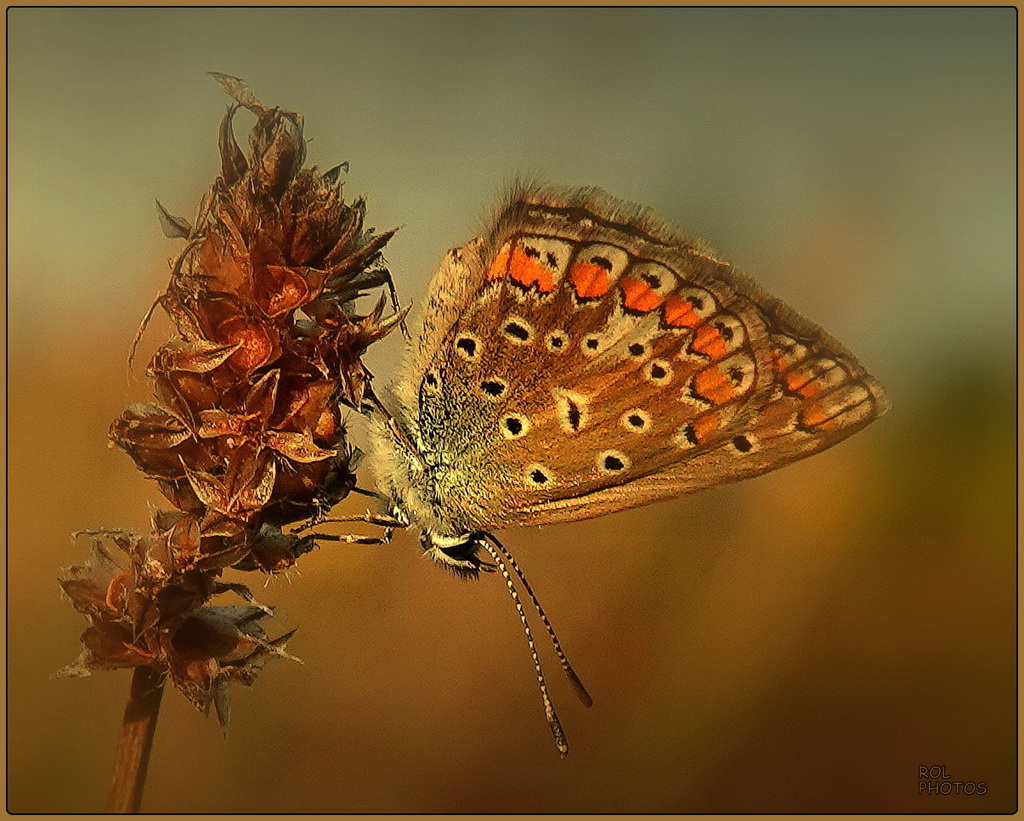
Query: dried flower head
pixel 246 435
pixel 142 610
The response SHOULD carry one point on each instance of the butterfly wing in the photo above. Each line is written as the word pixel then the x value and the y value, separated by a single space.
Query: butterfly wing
pixel 456 283
pixel 820 396
pixel 590 360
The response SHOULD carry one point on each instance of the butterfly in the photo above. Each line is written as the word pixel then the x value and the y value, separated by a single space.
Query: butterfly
pixel 583 357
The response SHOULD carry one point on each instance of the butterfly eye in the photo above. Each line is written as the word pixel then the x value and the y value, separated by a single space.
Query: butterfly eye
pixel 494 389
pixel 468 347
pixel 515 425
pixel 538 476
pixel 731 331
pixel 698 303
pixel 612 462
pixel 701 302
pixel 713 340
pixel 659 278
pixel 740 370
pixel 460 558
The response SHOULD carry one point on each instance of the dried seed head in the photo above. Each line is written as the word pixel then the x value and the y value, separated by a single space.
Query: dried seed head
pixel 141 611
pixel 246 435
pixel 248 427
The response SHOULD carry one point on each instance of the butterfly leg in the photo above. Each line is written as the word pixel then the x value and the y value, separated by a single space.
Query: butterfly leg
pixel 380 519
pixel 389 523
pixel 350 538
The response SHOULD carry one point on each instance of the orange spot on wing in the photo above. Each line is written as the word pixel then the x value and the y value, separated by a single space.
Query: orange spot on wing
pixel 709 342
pixel 815 416
pixel 714 385
pixel 800 383
pixel 679 312
pixel 590 279
pixel 528 270
pixel 639 296
pixel 839 409
pixel 705 425
pixel 499 266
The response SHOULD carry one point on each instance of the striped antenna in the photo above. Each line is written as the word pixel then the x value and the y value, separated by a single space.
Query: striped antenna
pixel 549 710
pixel 574 679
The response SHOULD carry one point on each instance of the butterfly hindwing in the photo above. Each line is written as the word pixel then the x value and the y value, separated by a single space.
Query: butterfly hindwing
pixel 819 397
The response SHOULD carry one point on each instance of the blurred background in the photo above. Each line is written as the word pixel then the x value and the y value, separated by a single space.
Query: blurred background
pixel 802 642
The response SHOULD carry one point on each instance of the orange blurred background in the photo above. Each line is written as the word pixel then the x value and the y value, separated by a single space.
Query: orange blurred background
pixel 803 642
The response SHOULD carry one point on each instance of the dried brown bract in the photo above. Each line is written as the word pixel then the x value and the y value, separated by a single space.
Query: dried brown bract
pixel 246 435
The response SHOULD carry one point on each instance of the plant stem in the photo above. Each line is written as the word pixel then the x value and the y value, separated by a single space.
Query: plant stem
pixel 135 740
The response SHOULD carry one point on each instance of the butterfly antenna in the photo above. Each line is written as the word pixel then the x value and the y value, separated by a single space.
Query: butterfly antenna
pixel 549 710
pixel 574 679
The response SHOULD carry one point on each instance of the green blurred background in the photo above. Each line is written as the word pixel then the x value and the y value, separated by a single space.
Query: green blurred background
pixel 805 641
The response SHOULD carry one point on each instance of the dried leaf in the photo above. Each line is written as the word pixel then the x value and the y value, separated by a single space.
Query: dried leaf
pixel 196 356
pixel 340 249
pixel 257 492
pixel 289 288
pixel 217 524
pixel 212 633
pixel 263 395
pixel 358 259
pixel 222 705
pixel 307 404
pixel 279 149
pixel 184 319
pixel 183 541
pixel 238 89
pixel 257 345
pixel 148 426
pixel 299 447
pixel 247 434
pixel 331 176
pixel 233 163
pixel 173 227
pixel 216 422
pixel 211 490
